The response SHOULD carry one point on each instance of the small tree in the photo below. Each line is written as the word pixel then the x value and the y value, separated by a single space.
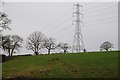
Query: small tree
pixel 106 46
pixel 11 43
pixel 50 44
pixel 35 42
pixel 64 46
pixel 16 43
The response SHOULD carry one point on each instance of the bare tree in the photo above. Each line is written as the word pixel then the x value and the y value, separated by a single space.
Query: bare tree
pixel 6 43
pixel 35 42
pixel 11 43
pixel 50 44
pixel 106 46
pixel 4 24
pixel 16 43
pixel 64 46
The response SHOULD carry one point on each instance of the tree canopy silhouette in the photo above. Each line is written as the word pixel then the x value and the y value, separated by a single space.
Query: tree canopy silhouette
pixel 11 43
pixel 106 46
pixel 36 42
pixel 50 44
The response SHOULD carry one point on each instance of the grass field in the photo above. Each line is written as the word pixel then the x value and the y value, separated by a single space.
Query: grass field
pixel 78 65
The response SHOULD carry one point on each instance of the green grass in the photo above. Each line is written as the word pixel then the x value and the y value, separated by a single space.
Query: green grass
pixel 78 65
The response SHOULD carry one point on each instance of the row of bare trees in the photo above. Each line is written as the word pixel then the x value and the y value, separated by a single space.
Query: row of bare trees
pixel 37 41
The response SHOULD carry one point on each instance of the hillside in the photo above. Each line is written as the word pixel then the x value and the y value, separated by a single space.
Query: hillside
pixel 74 65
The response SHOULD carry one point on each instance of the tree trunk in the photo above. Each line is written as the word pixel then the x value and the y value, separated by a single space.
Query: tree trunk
pixel 36 53
pixel 13 48
pixel 9 52
pixel 48 51
pixel 64 51
pixel 12 51
pixel 106 49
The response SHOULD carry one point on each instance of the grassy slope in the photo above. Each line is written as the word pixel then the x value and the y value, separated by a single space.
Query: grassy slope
pixel 84 65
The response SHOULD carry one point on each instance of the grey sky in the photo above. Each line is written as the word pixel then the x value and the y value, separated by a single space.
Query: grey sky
pixel 100 21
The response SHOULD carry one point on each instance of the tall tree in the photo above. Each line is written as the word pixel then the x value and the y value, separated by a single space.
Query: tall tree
pixel 50 44
pixel 4 24
pixel 106 46
pixel 11 43
pixel 35 42
pixel 64 46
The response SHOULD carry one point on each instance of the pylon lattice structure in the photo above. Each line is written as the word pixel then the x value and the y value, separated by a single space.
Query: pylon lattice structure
pixel 78 44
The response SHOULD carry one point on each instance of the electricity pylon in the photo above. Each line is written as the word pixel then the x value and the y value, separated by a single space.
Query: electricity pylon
pixel 78 44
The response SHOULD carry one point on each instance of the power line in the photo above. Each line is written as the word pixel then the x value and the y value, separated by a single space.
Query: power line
pixel 103 19
pixel 101 14
pixel 60 31
pixel 101 9
pixel 64 15
pixel 55 27
pixel 111 21
pixel 93 7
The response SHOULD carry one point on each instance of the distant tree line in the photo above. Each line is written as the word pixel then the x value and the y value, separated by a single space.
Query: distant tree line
pixel 37 41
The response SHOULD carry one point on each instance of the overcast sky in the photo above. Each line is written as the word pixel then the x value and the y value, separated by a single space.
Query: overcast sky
pixel 100 21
